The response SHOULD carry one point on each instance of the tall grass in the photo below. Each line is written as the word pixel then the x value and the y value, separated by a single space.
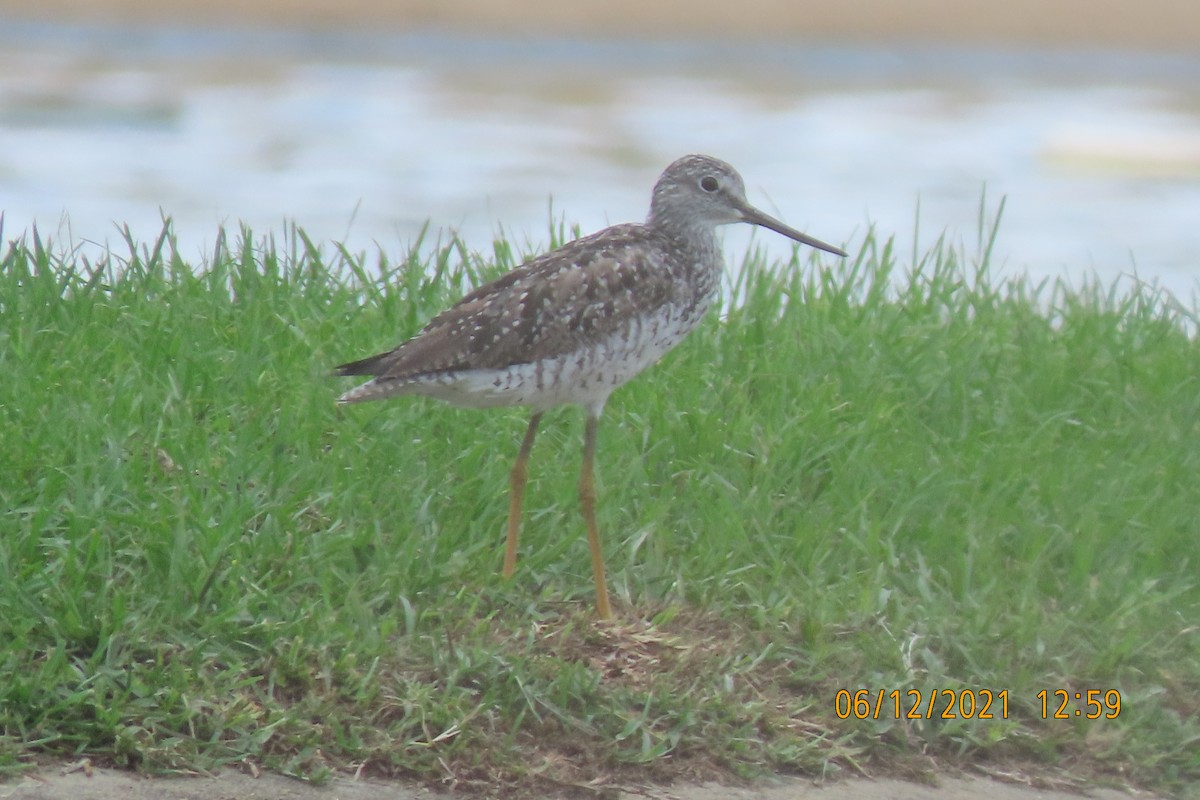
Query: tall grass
pixel 875 474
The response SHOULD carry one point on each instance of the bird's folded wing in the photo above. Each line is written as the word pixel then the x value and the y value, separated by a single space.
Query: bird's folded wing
pixel 553 305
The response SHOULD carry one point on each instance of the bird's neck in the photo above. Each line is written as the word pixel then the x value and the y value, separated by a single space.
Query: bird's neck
pixel 696 263
pixel 686 230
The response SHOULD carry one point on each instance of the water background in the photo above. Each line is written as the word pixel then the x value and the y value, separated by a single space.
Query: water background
pixel 363 138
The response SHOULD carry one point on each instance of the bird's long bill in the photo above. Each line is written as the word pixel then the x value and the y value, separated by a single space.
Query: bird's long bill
pixel 755 217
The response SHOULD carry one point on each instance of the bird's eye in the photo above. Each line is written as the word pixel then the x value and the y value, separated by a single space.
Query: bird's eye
pixel 708 183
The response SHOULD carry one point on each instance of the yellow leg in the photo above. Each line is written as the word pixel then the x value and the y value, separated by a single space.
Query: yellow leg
pixel 587 501
pixel 516 484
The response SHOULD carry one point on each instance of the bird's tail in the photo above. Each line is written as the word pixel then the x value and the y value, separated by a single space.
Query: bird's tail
pixel 366 366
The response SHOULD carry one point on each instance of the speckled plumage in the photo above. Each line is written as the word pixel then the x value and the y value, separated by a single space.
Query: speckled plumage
pixel 572 325
pixel 567 327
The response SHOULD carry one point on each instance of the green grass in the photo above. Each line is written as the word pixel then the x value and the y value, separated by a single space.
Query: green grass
pixel 868 474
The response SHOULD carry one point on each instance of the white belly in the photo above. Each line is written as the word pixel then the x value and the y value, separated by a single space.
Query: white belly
pixel 585 377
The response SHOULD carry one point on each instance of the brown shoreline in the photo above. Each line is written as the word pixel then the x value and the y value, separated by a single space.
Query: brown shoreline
pixel 1144 25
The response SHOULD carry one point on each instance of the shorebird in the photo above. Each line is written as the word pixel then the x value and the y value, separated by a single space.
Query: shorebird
pixel 570 326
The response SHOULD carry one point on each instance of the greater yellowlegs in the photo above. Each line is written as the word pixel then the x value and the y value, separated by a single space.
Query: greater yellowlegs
pixel 572 325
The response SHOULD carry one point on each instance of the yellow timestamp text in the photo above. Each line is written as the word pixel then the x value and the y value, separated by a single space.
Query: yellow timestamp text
pixel 1088 704
pixel 971 704
pixel 917 704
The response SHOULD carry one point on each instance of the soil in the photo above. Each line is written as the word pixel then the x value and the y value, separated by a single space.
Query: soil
pixel 79 782
pixel 1146 24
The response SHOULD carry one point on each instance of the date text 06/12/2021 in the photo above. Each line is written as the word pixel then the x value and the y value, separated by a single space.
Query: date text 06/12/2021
pixel 972 704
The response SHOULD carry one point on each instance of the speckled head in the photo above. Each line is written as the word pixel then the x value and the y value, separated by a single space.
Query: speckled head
pixel 701 192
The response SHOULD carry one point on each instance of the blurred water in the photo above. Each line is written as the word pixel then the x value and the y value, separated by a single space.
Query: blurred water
pixel 362 138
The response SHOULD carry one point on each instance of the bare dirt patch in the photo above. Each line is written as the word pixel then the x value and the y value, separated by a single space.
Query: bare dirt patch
pixel 70 783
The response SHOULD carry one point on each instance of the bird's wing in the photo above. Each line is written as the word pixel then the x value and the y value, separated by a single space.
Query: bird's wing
pixel 550 306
